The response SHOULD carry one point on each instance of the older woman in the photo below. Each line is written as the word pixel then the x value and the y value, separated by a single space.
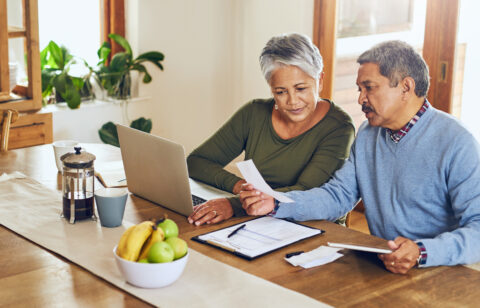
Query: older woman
pixel 296 139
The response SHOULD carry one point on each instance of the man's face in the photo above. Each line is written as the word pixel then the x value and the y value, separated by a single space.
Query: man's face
pixel 381 103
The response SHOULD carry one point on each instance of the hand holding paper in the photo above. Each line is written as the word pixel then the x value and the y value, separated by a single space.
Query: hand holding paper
pixel 252 175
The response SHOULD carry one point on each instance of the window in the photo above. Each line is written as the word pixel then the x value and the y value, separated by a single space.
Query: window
pixel 76 25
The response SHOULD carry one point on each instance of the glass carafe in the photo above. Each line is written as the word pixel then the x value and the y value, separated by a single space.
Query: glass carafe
pixel 78 179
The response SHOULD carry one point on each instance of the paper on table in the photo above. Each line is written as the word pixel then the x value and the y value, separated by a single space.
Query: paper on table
pixel 111 174
pixel 319 256
pixel 252 175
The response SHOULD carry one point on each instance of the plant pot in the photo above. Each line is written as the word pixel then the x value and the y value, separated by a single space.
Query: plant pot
pixel 122 89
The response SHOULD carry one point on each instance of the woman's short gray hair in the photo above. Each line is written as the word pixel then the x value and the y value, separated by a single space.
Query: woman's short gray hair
pixel 397 60
pixel 291 49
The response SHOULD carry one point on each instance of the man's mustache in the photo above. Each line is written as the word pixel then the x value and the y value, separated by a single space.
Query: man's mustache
pixel 366 109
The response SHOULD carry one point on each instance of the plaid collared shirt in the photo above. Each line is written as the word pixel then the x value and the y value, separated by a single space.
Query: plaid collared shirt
pixel 399 134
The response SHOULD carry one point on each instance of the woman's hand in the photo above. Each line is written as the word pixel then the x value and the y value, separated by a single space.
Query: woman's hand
pixel 211 212
pixel 237 188
pixel 404 255
pixel 254 202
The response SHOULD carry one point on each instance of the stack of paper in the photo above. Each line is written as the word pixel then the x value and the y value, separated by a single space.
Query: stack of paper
pixel 319 256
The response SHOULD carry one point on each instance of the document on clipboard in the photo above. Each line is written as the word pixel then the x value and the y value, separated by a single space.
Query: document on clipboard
pixel 257 237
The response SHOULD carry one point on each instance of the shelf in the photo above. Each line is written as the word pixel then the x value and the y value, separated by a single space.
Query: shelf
pixel 14 32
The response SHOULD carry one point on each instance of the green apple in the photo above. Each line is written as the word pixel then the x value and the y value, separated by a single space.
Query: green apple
pixel 179 246
pixel 143 260
pixel 160 252
pixel 169 227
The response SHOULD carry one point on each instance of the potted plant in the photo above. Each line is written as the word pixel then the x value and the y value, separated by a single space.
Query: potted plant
pixel 58 81
pixel 115 78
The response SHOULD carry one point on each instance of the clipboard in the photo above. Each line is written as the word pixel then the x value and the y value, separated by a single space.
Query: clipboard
pixel 259 237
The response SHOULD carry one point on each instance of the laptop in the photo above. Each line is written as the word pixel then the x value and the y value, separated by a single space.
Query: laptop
pixel 156 170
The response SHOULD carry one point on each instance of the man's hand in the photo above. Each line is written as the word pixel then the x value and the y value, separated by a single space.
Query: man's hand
pixel 404 256
pixel 254 202
pixel 211 212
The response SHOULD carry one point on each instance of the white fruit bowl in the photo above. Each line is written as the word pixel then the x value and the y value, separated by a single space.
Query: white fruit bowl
pixel 150 275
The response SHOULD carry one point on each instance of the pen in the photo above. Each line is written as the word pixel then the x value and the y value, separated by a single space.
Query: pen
pixel 236 230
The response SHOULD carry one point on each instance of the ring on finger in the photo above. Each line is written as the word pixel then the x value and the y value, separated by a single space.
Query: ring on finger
pixel 393 263
pixel 214 213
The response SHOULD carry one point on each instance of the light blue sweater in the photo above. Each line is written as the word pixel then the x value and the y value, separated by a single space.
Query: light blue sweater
pixel 425 188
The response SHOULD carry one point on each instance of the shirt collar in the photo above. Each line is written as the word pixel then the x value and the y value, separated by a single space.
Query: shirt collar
pixel 397 135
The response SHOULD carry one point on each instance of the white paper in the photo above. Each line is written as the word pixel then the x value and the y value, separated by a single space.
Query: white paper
pixel 361 248
pixel 260 235
pixel 252 175
pixel 111 174
pixel 319 256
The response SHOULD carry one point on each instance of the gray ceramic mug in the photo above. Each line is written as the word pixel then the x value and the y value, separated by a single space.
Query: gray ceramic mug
pixel 111 206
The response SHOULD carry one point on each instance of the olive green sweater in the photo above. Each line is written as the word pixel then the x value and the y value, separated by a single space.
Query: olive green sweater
pixel 299 163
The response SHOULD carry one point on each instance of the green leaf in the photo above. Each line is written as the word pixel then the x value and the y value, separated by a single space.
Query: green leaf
pixel 43 58
pixel 60 82
pixel 57 54
pixel 103 52
pixel 47 77
pixel 108 134
pixel 145 125
pixel 119 62
pixel 142 69
pixel 73 97
pixel 158 64
pixel 78 82
pixel 120 40
pixel 153 56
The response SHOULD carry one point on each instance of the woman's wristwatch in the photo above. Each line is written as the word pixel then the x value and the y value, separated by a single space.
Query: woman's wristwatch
pixel 422 258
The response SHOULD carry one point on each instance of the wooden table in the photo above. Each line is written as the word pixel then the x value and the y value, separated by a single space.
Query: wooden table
pixel 34 276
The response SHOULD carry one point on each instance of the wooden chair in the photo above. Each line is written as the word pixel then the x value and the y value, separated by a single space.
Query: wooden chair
pixel 7 117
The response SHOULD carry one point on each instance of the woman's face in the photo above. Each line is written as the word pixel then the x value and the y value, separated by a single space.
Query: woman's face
pixel 295 92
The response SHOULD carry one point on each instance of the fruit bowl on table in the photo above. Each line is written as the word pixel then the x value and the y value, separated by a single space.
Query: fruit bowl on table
pixel 150 275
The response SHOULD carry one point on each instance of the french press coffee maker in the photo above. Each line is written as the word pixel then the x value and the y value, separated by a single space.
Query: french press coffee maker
pixel 78 180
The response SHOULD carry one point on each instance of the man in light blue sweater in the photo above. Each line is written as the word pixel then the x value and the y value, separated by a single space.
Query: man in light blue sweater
pixel 416 168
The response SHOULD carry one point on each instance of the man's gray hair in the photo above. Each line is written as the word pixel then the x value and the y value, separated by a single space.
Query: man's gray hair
pixel 397 60
pixel 291 49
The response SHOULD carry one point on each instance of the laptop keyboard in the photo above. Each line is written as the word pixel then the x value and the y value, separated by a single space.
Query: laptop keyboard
pixel 197 200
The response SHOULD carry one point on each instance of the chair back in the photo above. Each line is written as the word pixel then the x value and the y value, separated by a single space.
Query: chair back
pixel 7 118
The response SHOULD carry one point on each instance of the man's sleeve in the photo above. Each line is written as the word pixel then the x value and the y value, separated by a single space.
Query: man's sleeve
pixel 330 201
pixel 462 245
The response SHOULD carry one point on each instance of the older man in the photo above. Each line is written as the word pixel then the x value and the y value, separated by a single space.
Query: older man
pixel 416 168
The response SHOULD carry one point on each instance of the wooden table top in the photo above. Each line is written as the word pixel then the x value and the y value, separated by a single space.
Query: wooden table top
pixel 34 276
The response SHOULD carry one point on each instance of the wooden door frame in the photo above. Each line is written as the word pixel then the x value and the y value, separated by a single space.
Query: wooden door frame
pixel 324 37
pixel 438 49
pixel 440 40
pixel 113 22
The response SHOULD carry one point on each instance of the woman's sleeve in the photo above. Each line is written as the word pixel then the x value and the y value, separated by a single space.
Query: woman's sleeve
pixel 206 162
pixel 329 156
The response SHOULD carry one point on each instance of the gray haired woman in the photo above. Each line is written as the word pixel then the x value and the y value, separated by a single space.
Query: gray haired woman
pixel 296 139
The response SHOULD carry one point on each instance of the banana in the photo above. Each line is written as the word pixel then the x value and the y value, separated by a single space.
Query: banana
pixel 123 241
pixel 135 240
pixel 157 236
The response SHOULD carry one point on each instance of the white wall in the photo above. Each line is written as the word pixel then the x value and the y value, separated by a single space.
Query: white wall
pixel 211 52
pixel 468 32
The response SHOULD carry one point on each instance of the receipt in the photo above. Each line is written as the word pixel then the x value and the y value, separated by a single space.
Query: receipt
pixel 319 256
pixel 252 175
